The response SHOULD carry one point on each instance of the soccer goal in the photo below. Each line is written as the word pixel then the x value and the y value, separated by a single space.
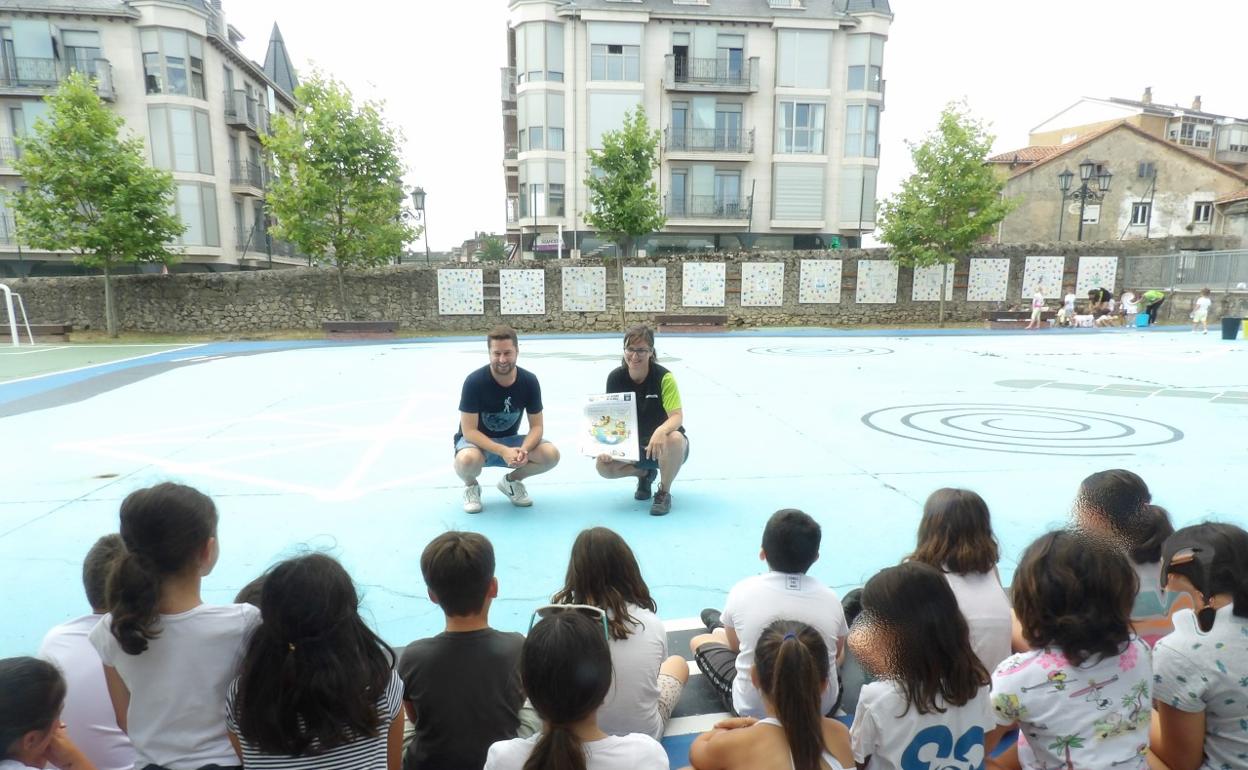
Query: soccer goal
pixel 9 297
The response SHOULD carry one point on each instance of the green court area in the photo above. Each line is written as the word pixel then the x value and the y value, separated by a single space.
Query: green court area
pixel 26 361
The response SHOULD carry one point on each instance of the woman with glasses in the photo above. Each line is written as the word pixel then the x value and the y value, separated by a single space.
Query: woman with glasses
pixel 566 670
pixel 603 573
pixel 664 447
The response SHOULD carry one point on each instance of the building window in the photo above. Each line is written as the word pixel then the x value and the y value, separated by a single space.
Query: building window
pixel 800 128
pixel 862 131
pixel 196 205
pixel 1192 132
pixel 173 62
pixel 181 139
pixel 1092 214
pixel 1140 213
pixel 798 192
pixel 1147 170
pixel 1203 214
pixel 82 49
pixel 802 60
pixel 539 52
pixel 857 202
pixel 615 62
pixel 1233 139
pixel 866 63
pixel 541 188
pixel 539 115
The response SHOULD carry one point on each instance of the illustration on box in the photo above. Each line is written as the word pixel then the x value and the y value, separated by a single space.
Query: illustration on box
pixel 610 421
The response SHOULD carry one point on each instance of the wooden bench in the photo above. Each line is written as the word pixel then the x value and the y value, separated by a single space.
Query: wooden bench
pixel 1016 319
pixel 691 321
pixel 58 332
pixel 360 329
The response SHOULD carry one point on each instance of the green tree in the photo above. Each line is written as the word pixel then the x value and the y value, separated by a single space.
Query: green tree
pixel 493 249
pixel 337 186
pixel 89 191
pixel 950 201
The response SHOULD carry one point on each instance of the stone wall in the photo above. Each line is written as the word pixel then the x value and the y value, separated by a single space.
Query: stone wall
pixel 249 302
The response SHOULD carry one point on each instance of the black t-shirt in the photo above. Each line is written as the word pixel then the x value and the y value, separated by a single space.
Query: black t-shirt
pixel 651 411
pixel 1100 295
pixel 465 691
pixel 499 409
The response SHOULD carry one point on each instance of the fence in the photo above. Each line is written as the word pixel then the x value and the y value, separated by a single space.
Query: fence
pixel 1221 271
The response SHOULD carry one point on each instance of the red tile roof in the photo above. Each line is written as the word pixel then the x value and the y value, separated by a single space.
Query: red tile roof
pixel 1026 154
pixel 1238 195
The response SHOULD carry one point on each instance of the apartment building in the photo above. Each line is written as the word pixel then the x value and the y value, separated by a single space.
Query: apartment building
pixel 174 71
pixel 769 112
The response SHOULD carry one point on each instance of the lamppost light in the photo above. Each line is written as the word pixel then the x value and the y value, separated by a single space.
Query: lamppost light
pixel 1103 179
pixel 1064 179
pixel 418 198
pixel 1085 170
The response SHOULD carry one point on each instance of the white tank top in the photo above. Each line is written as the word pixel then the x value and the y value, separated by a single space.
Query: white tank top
pixel 827 757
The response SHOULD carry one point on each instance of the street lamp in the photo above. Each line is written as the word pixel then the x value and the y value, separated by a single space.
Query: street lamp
pixel 1084 193
pixel 418 203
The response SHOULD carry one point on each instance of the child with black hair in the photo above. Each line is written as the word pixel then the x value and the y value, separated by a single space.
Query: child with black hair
pixel 726 654
pixel 1082 695
pixel 931 699
pixel 1201 670
pixel 32 736
pixel 169 657
pixel 790 670
pixel 316 687
pixel 566 670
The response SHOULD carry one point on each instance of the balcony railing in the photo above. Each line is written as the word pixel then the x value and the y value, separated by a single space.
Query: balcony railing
pixel 730 140
pixel 243 111
pixel 724 74
pixel 30 73
pixel 246 173
pixel 9 151
pixel 509 84
pixel 8 228
pixel 706 207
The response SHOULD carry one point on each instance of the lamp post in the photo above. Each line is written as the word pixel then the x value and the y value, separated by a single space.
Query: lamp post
pixel 1084 193
pixel 418 202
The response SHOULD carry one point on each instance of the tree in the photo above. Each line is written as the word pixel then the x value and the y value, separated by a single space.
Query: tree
pixel 337 180
pixel 950 201
pixel 493 249
pixel 91 192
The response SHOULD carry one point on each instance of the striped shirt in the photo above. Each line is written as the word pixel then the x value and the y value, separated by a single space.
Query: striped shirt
pixel 361 754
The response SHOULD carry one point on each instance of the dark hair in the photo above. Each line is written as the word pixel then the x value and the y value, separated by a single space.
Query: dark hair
pixel 96 567
pixel 1117 498
pixel 927 644
pixel 312 671
pixel 791 660
pixel 502 332
pixel 250 593
pixel 565 666
pixel 32 692
pixel 1221 567
pixel 955 533
pixel 603 572
pixel 165 528
pixel 1153 531
pixel 791 541
pixel 1075 592
pixel 458 568
pixel 640 333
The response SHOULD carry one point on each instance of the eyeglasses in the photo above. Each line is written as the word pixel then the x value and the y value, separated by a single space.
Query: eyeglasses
pixel 638 351
pixel 594 613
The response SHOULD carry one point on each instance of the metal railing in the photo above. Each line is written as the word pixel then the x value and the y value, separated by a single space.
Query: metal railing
pixel 244 172
pixel 706 207
pixel 1217 270
pixel 247 112
pixel 509 84
pixel 8 228
pixel 737 140
pixel 47 74
pixel 9 151
pixel 712 74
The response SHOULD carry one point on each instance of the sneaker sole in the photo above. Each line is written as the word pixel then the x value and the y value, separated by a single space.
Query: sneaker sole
pixel 518 504
pixel 468 509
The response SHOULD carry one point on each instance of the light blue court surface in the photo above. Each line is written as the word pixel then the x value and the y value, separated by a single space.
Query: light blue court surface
pixel 347 448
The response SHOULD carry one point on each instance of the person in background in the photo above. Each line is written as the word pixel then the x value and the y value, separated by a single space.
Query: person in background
pixel 32 736
pixel 1200 314
pixel 1152 300
pixel 1037 309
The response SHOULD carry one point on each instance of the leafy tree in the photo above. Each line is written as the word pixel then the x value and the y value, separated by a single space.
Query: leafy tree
pixel 493 249
pixel 337 187
pixel 950 201
pixel 91 192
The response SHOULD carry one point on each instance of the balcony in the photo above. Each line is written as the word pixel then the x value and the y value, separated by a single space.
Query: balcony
pixel 509 84
pixel 708 141
pixel 708 207
pixel 24 75
pixel 245 112
pixel 717 75
pixel 247 178
pixel 9 153
pixel 1233 155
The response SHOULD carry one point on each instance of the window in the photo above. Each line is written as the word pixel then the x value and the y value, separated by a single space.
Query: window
pixel 542 188
pixel 798 193
pixel 801 128
pixel 173 62
pixel 606 113
pixel 539 52
pixel 82 49
pixel 539 115
pixel 1233 139
pixel 730 58
pixel 1203 214
pixel 679 194
pixel 1092 214
pixel 1192 132
pixel 1140 213
pixel 727 198
pixel 1147 170
pixel 802 61
pixel 857 204
pixel 196 206
pixel 862 139
pixel 181 139
pixel 615 51
pixel 866 63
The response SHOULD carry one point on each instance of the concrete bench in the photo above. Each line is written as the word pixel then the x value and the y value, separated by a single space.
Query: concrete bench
pixel 1016 319
pixel 691 321
pixel 360 329
pixel 58 332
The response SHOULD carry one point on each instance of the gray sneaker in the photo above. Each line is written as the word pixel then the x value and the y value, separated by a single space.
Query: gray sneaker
pixel 662 503
pixel 515 492
pixel 472 499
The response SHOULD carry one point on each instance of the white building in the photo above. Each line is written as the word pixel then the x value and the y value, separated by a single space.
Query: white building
pixel 173 70
pixel 769 111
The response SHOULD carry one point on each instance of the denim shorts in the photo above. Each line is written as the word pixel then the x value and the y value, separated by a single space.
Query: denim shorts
pixel 492 460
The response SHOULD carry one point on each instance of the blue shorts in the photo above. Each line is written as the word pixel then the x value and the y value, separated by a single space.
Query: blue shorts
pixel 492 460
pixel 653 465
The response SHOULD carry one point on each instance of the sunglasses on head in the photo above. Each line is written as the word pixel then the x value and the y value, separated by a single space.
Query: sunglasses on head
pixel 548 610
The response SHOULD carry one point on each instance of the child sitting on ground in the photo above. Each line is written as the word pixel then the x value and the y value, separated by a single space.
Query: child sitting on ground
pixel 32 736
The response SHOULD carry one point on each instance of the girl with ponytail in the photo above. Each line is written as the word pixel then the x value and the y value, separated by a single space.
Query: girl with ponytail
pixel 566 670
pixel 316 688
pixel 168 657
pixel 1201 668
pixel 791 672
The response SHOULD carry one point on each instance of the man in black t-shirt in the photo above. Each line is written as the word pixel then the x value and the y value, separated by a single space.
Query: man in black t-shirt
pixel 493 400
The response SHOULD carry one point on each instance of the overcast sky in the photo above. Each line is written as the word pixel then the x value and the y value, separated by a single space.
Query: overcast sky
pixel 436 65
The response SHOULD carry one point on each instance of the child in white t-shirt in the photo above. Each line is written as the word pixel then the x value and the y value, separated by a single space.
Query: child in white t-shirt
pixel 1082 695
pixel 1066 316
pixel 168 657
pixel 1200 313
pixel 930 702
pixel 1037 308
pixel 1201 669
pixel 32 735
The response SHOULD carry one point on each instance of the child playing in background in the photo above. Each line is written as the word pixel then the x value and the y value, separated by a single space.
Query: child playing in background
pixel 1037 309
pixel 1200 314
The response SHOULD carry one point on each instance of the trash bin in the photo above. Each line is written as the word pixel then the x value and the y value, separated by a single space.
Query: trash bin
pixel 1139 319
pixel 1230 327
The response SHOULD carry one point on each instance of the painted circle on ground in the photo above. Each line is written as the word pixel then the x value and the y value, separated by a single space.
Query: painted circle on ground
pixel 1022 429
pixel 820 351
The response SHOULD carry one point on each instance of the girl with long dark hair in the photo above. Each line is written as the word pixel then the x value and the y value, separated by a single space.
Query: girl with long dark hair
pixel 32 694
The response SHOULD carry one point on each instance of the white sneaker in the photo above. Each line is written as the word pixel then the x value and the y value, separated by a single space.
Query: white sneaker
pixel 515 492
pixel 472 499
